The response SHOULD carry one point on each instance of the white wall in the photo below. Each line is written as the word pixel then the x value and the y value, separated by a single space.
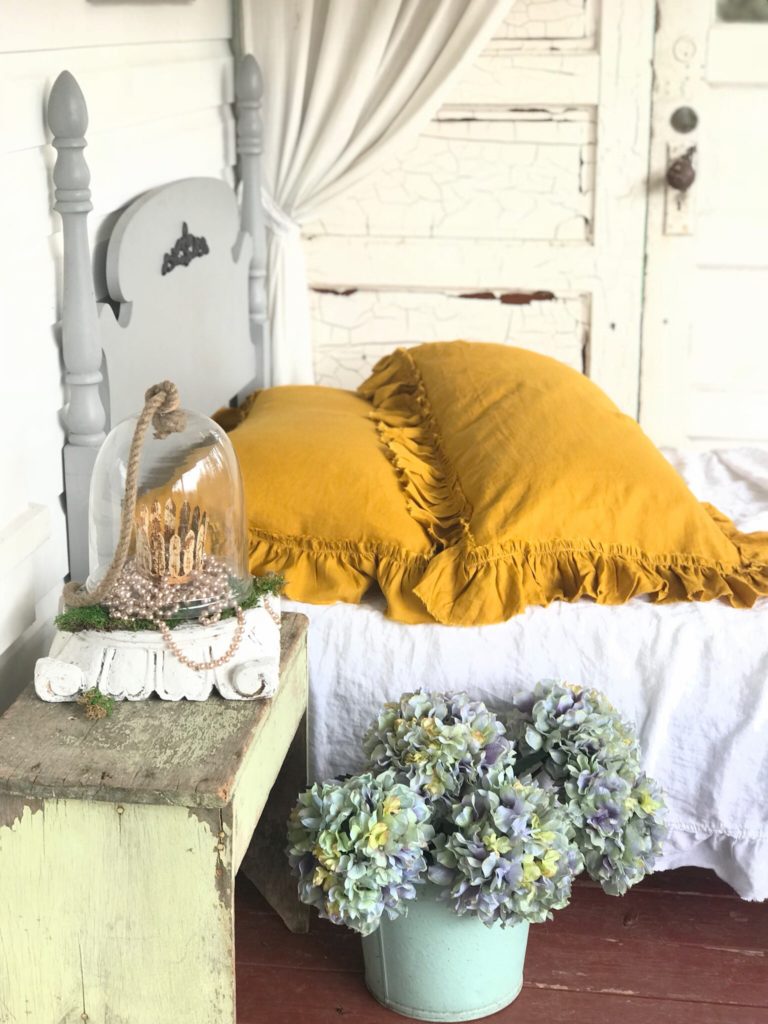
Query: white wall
pixel 157 78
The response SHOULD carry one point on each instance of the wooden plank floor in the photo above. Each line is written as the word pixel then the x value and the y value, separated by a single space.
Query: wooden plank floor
pixel 681 948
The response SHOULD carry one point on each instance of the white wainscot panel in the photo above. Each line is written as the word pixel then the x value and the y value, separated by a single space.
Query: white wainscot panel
pixel 17 663
pixel 122 164
pixel 354 330
pixel 18 541
pixel 549 19
pixel 728 370
pixel 479 174
pixel 55 24
pixel 731 197
pixel 123 86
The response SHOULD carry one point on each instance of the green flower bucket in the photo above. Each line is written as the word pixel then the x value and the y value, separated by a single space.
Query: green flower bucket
pixel 434 965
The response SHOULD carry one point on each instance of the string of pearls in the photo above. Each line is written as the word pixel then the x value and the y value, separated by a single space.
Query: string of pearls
pixel 275 616
pixel 138 596
pixel 203 666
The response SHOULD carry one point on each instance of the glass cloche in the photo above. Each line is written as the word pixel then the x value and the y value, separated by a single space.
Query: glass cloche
pixel 187 555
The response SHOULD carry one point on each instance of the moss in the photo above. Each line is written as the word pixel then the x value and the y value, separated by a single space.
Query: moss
pixel 97 617
pixel 96 703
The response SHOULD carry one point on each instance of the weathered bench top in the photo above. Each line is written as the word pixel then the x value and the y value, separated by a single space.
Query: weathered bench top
pixel 151 751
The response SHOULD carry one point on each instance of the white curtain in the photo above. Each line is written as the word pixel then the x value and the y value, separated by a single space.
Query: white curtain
pixel 346 82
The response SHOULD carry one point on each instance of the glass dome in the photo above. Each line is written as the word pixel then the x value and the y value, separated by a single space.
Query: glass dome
pixel 188 549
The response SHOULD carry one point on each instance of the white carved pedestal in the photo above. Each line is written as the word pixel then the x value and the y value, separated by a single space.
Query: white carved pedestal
pixel 131 666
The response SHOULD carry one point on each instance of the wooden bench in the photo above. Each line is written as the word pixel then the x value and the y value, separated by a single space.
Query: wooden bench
pixel 119 844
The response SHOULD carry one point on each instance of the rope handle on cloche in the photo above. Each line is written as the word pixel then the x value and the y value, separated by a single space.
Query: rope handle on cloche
pixel 161 409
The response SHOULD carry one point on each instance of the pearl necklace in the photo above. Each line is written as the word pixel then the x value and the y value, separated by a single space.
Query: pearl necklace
pixel 138 596
pixel 204 666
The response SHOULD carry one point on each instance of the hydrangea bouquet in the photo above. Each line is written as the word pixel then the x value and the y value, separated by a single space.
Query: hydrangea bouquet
pixel 500 812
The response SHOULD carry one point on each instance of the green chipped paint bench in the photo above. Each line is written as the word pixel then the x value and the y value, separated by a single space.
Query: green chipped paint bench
pixel 119 844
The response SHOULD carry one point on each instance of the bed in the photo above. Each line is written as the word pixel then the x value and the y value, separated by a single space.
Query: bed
pixel 692 676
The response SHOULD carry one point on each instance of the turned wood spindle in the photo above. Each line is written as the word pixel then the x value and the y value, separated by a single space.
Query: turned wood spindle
pixel 84 415
pixel 248 93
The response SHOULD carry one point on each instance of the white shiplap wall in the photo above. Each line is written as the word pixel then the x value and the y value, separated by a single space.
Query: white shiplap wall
pixel 158 83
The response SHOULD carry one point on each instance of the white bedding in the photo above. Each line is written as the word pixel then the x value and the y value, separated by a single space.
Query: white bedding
pixel 693 677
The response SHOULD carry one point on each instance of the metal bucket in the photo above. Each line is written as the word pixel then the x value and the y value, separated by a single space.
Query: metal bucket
pixel 434 965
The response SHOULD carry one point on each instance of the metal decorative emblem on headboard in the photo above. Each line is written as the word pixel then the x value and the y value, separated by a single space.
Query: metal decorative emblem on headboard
pixel 184 250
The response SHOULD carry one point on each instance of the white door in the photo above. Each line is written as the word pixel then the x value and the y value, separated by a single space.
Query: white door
pixel 517 216
pixel 705 331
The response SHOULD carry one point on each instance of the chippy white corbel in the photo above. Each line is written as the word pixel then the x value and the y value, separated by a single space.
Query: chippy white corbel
pixel 129 665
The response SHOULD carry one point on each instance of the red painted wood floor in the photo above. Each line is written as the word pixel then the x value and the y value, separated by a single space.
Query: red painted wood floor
pixel 681 948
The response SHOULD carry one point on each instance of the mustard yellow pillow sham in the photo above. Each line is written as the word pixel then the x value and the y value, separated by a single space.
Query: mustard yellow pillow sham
pixel 537 488
pixel 323 501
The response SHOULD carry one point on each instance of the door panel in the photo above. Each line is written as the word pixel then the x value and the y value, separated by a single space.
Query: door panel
pixel 550 19
pixel 354 330
pixel 530 181
pixel 742 10
pixel 479 173
pixel 705 340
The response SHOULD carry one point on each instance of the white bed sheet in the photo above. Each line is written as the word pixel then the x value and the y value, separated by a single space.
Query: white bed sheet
pixel 693 678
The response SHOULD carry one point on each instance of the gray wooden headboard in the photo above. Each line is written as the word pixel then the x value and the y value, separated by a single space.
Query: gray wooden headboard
pixel 186 270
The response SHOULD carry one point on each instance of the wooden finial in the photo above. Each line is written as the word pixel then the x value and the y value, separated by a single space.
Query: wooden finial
pixel 248 93
pixel 68 120
pixel 84 415
pixel 248 81
pixel 67 112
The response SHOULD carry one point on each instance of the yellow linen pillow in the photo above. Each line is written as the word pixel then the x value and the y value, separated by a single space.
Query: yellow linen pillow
pixel 539 489
pixel 323 501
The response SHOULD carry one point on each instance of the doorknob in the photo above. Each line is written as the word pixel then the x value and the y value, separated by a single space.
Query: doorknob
pixel 681 173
